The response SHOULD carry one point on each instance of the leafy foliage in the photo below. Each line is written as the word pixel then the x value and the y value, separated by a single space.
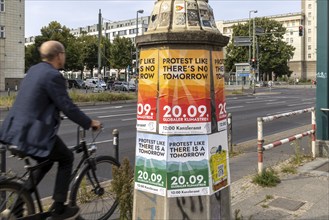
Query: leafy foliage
pixel 121 53
pixel 123 185
pixel 274 53
pixel 268 178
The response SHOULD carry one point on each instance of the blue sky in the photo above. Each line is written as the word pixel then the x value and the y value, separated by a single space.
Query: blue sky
pixel 80 13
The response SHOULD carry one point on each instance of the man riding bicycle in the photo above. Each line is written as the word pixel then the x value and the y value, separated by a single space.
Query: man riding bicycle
pixel 32 123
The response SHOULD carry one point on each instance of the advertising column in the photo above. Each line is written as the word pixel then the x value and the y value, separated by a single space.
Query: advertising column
pixel 184 93
pixel 147 91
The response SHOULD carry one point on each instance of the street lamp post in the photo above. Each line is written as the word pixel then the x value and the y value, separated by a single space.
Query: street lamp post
pixel 253 48
pixel 252 11
pixel 141 12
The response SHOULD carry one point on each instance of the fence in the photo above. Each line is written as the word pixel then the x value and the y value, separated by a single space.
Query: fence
pixel 260 138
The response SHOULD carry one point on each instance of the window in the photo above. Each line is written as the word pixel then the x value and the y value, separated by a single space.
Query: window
pixel 309 6
pixel 309 47
pixel 132 31
pixel 309 31
pixel 2 32
pixel 121 33
pixel 291 32
pixel 309 56
pixel 287 40
pixel 291 40
pixel 309 23
pixel 309 39
pixel 2 5
pixel 309 14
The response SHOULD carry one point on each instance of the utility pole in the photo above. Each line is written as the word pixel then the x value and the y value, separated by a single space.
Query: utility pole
pixel 99 43
pixel 252 11
pixel 253 55
pixel 322 90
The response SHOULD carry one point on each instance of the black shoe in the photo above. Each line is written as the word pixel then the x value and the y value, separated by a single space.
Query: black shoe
pixel 70 213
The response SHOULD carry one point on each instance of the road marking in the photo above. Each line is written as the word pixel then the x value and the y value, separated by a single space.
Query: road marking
pixel 260 101
pixel 235 107
pixel 110 116
pixel 273 103
pixel 102 108
pixel 308 99
pixel 305 103
pixel 128 119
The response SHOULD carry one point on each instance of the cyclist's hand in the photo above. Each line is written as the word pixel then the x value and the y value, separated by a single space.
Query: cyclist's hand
pixel 96 125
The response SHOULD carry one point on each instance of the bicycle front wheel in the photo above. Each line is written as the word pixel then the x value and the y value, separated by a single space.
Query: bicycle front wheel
pixel 96 201
pixel 14 201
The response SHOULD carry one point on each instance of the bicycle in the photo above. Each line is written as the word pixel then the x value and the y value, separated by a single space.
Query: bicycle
pixel 90 186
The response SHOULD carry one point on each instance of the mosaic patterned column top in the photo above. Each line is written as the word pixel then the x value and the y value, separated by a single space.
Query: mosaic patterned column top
pixel 181 15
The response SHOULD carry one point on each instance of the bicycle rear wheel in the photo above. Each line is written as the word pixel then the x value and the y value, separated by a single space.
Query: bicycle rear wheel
pixel 95 202
pixel 14 202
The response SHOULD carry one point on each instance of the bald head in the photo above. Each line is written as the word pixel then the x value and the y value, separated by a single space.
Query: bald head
pixel 50 49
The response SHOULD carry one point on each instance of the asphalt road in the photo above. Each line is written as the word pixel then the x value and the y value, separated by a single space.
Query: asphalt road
pixel 244 108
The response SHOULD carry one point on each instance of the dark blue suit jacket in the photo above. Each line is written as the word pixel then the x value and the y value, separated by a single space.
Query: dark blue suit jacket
pixel 34 119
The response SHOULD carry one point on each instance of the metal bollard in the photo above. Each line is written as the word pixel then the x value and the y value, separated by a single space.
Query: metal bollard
pixel 115 134
pixel 260 141
pixel 229 134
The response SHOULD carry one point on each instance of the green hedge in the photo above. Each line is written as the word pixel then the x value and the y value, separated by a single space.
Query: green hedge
pixel 79 97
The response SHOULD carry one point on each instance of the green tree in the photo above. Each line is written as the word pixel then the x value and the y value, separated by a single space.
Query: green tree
pixel 274 53
pixel 55 31
pixel 31 56
pixel 121 53
pixel 89 51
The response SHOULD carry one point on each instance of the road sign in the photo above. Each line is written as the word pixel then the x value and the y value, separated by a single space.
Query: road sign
pixel 259 30
pixel 242 41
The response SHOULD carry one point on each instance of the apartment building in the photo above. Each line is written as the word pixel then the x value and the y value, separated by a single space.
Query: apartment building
pixel 12 19
pixel 303 63
pixel 125 28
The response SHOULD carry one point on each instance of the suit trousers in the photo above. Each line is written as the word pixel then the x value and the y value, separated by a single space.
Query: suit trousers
pixel 65 157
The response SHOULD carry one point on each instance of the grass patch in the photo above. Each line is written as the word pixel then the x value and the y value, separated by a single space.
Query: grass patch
pixel 268 197
pixel 79 97
pixel 123 187
pixel 289 168
pixel 233 92
pixel 268 178
pixel 238 216
pixel 7 101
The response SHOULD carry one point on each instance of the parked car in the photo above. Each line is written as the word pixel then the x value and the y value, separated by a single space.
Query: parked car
pixel 95 83
pixel 123 86
pixel 76 83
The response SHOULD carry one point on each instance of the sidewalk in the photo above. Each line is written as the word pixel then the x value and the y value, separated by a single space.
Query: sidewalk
pixel 304 195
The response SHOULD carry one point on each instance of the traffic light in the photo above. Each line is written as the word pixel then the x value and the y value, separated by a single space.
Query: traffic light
pixel 253 63
pixel 300 31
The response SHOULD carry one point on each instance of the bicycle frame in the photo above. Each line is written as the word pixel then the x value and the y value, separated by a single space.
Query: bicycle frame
pixel 86 160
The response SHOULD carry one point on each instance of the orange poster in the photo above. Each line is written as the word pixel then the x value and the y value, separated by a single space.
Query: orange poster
pixel 219 82
pixel 184 92
pixel 147 91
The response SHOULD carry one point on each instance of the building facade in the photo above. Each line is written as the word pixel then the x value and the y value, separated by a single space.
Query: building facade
pixel 12 19
pixel 303 63
pixel 111 30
